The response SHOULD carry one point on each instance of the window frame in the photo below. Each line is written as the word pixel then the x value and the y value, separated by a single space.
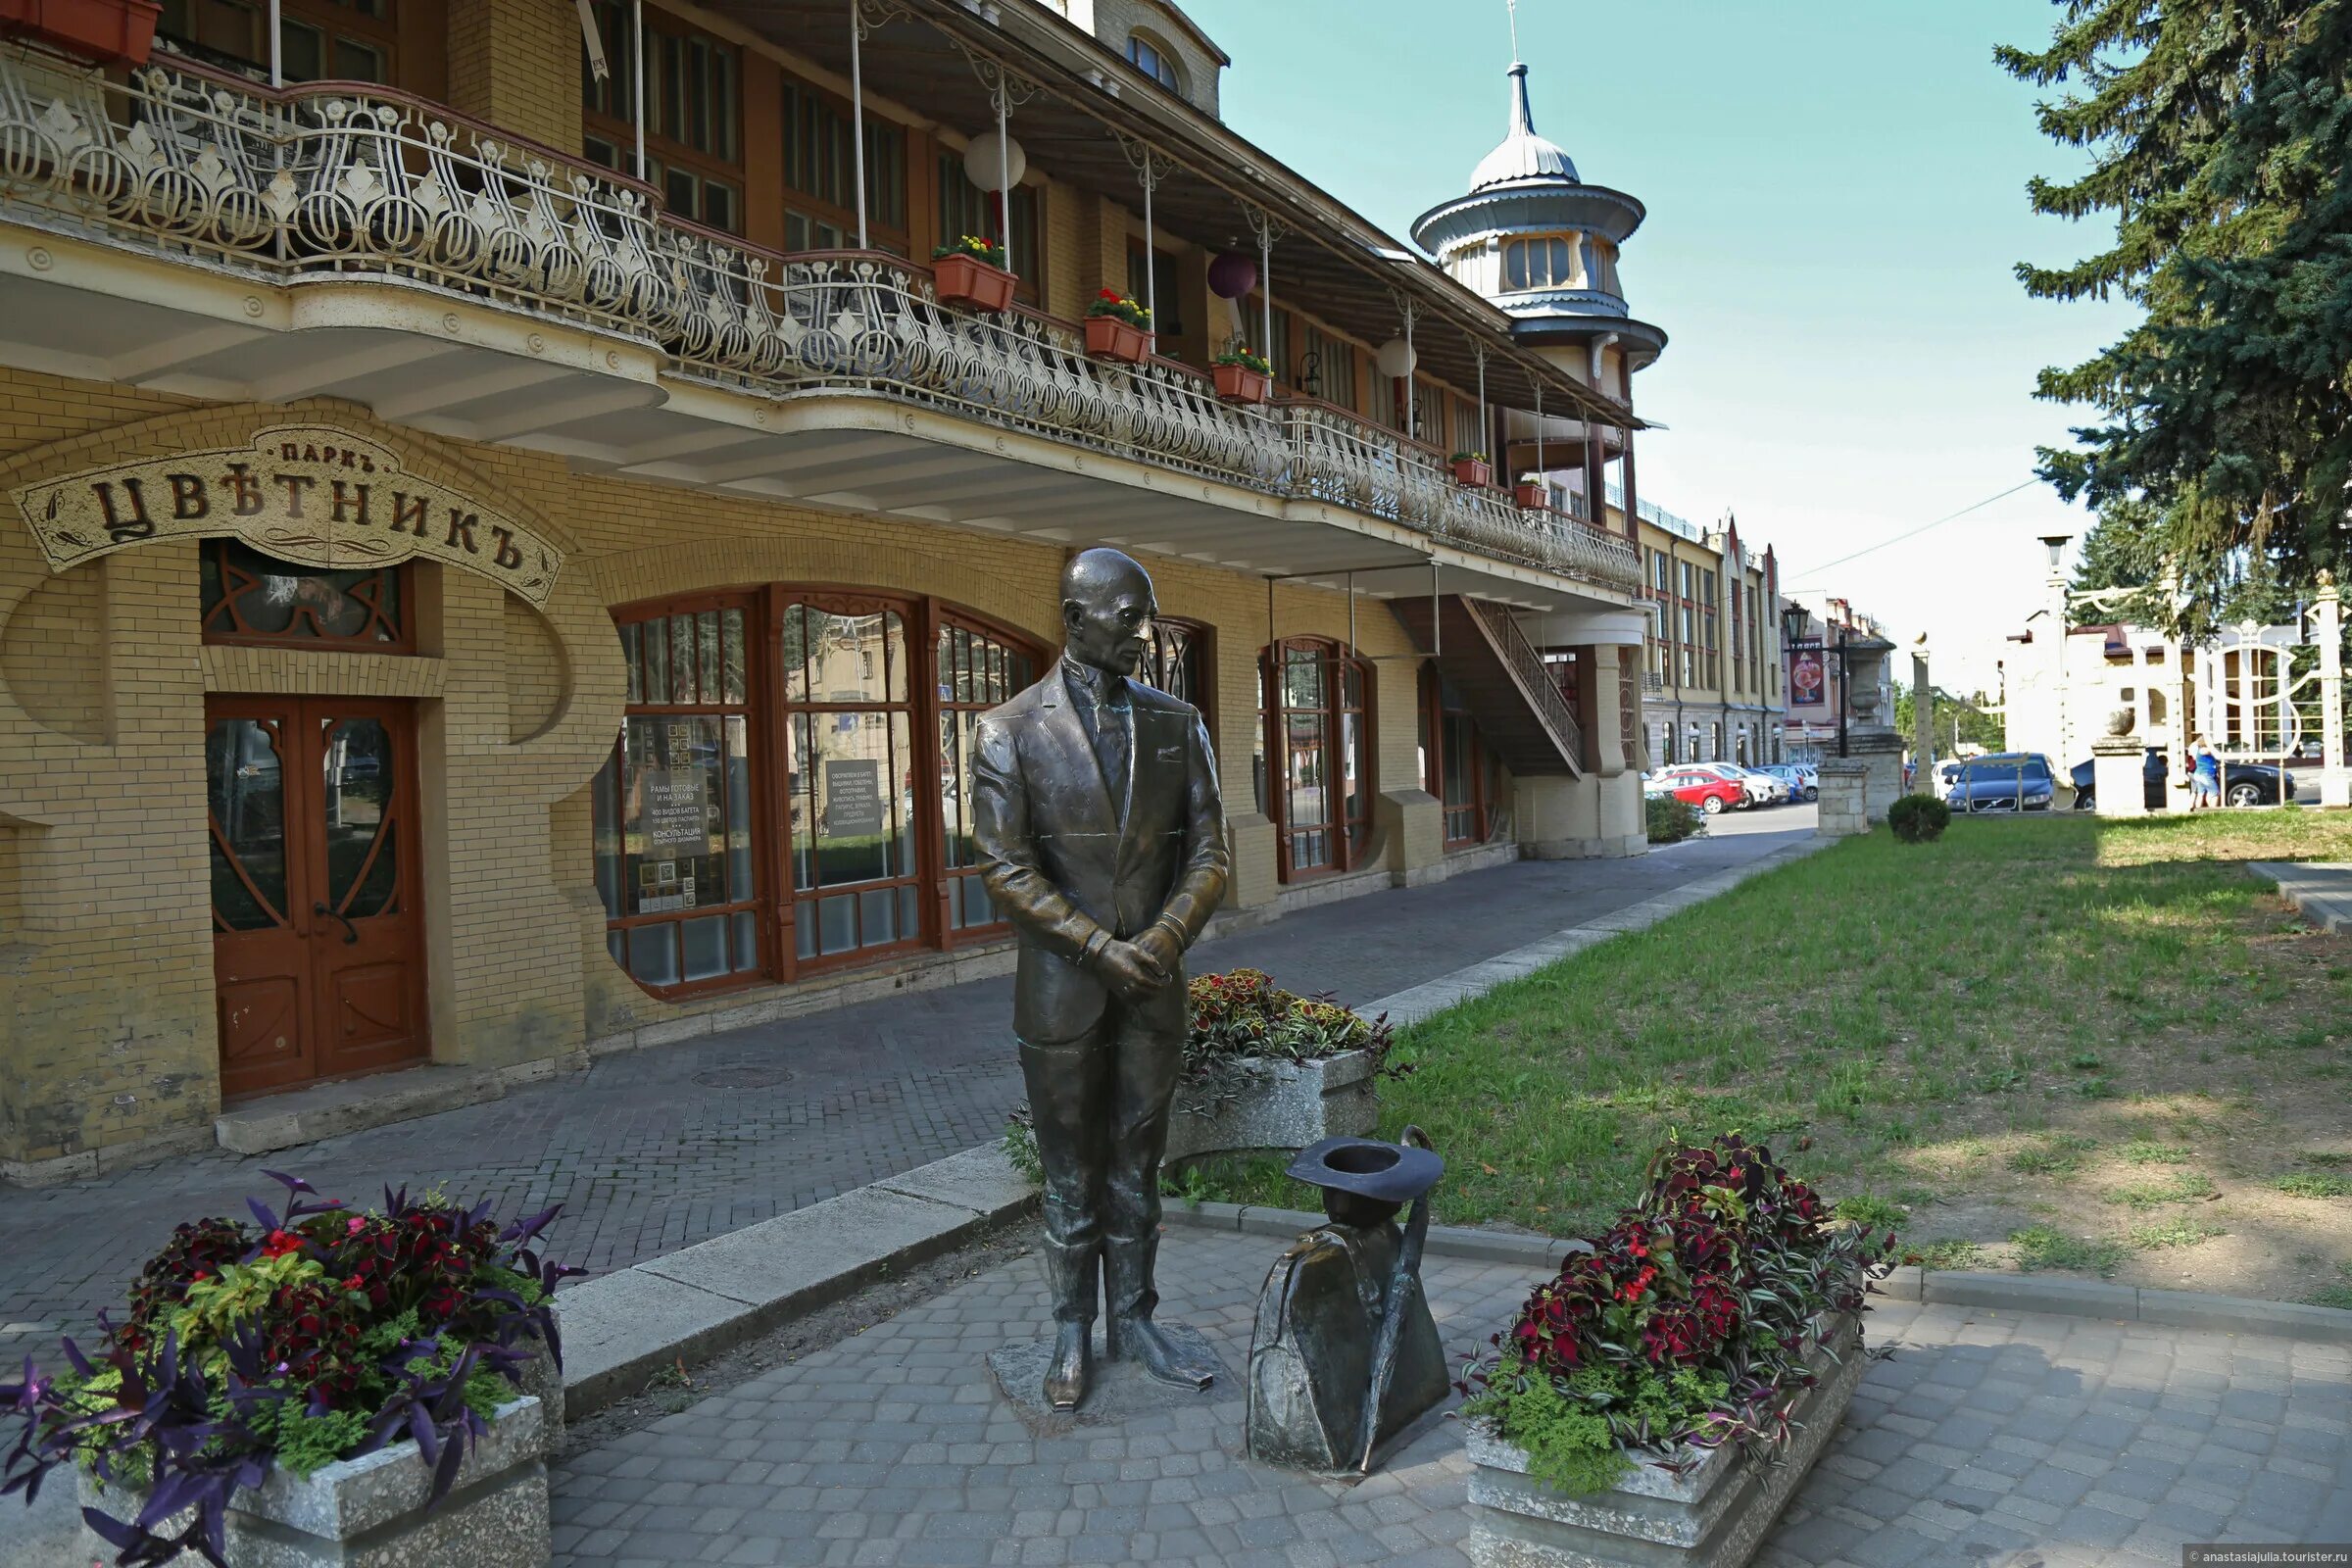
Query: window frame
pixel 1347 853
pixel 1480 771
pixel 882 233
pixel 757 781
pixel 606 115
pixel 777 899
pixel 403 575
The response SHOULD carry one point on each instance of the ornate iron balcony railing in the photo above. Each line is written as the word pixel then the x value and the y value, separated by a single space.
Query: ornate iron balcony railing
pixel 339 182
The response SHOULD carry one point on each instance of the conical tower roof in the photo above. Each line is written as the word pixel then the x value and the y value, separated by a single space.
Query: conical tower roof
pixel 1521 153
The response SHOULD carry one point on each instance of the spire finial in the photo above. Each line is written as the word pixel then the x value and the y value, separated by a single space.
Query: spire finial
pixel 1512 6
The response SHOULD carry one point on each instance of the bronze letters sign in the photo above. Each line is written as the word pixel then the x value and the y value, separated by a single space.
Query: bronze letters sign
pixel 306 493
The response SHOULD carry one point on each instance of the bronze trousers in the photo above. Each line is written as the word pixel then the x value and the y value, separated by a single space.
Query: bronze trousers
pixel 1099 1101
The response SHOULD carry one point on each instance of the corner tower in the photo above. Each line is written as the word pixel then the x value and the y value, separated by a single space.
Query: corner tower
pixel 1542 244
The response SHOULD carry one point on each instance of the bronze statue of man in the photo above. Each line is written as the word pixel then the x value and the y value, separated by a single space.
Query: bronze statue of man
pixel 1100 824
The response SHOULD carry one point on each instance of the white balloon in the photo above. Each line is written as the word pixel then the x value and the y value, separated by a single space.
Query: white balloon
pixel 981 164
pixel 1395 358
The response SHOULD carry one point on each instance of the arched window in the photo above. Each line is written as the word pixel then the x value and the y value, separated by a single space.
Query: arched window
pixel 1177 662
pixel 1546 261
pixel 1314 698
pixel 773 804
pixel 1154 59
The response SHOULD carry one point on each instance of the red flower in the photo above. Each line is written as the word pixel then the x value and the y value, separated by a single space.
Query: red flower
pixel 281 1244
pixel 1108 294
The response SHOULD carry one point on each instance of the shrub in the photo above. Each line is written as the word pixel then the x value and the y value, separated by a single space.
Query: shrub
pixel 1689 1321
pixel 315 1335
pixel 1671 821
pixel 1918 818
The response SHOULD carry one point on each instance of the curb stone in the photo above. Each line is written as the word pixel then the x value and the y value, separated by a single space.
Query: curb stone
pixel 2321 890
pixel 621 1328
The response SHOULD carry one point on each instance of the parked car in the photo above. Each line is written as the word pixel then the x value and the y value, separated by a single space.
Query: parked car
pixel 1804 783
pixel 2243 783
pixel 1704 788
pixel 2006 781
pixel 1764 788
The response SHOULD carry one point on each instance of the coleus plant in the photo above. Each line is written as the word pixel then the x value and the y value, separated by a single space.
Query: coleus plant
pixel 1691 1320
pixel 308 1336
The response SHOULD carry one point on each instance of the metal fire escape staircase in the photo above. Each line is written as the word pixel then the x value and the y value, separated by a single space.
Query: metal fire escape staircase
pixel 1517 703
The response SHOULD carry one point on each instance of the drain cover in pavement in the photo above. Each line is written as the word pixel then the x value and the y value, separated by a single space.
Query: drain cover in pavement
pixel 742 1077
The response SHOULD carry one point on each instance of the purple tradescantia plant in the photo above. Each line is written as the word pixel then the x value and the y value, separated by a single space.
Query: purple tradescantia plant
pixel 312 1334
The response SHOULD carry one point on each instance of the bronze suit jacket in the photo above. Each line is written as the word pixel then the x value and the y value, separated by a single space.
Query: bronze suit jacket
pixel 1061 862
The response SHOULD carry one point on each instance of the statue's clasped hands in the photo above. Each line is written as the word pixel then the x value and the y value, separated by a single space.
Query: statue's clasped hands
pixel 1139 969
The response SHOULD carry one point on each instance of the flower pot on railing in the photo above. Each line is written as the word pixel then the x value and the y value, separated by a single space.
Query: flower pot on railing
pixel 109 32
pixel 971 282
pixel 1237 383
pixel 1531 497
pixel 1474 471
pixel 1110 338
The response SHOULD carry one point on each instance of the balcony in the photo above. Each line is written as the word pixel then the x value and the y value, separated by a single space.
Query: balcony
pixel 315 187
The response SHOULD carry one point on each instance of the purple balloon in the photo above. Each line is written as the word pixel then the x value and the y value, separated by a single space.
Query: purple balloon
pixel 1232 275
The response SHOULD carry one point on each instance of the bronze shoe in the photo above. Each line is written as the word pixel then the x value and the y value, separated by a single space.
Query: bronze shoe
pixel 1072 1365
pixel 1139 1339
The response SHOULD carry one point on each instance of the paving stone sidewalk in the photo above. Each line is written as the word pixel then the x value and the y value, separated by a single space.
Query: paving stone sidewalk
pixel 1990 1438
pixel 653 1150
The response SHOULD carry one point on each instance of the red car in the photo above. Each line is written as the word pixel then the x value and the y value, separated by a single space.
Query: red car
pixel 1711 792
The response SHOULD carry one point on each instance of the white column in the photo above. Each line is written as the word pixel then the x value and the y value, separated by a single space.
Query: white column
pixel 637 82
pixel 2335 785
pixel 1005 176
pixel 857 112
pixel 277 76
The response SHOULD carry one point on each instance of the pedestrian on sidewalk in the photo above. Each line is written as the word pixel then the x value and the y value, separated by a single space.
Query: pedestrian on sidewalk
pixel 2205 787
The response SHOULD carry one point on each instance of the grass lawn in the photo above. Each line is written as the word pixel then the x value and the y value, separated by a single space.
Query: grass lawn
pixel 2061 1043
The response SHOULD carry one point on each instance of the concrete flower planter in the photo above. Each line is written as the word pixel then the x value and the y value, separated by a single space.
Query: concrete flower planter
pixel 370 1512
pixel 1285 1105
pixel 1714 1515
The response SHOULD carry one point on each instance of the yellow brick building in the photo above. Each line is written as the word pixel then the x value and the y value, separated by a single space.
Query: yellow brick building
pixel 465 607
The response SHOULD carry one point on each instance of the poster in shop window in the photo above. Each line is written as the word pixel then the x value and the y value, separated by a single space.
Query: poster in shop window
pixel 854 798
pixel 676 810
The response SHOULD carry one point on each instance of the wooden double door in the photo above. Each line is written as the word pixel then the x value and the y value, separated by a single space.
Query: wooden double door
pixel 318 926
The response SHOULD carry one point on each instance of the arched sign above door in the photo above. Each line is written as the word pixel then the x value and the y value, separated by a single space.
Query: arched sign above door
pixel 311 494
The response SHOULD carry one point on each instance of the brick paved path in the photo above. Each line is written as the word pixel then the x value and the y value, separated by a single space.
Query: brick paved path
pixel 1988 1438
pixel 646 1159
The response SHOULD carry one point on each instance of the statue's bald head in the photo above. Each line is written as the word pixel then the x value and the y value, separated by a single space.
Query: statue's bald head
pixel 1106 609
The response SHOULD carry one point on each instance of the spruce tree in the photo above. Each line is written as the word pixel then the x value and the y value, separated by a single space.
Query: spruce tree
pixel 2220 133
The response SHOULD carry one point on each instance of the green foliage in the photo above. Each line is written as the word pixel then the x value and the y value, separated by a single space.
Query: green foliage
pixel 2039 1246
pixel 2220 140
pixel 2170 1232
pixel 2142 1151
pixel 2313 1184
pixel 1918 818
pixel 1872 1212
pixel 2186 1187
pixel 307 1442
pixel 1570 1438
pixel 1948 1253
pixel 1020 1143
pixel 1952 716
pixel 2337 1296
pixel 1671 821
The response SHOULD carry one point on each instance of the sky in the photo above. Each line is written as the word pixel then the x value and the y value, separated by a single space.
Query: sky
pixel 1837 200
